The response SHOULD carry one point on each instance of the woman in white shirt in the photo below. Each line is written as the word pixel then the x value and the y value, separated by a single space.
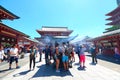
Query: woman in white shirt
pixel 1 54
pixel 14 56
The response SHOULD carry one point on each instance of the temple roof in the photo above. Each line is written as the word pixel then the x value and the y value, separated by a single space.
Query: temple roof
pixel 48 28
pixel 107 36
pixel 112 32
pixel 5 14
pixel 117 22
pixel 114 11
pixel 54 31
pixel 11 29
pixel 111 18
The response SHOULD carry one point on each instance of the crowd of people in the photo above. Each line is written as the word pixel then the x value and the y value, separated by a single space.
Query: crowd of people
pixel 61 54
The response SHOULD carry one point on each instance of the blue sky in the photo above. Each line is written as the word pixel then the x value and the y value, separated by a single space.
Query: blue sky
pixel 85 17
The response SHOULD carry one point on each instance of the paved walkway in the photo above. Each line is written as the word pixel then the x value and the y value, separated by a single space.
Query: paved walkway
pixel 43 72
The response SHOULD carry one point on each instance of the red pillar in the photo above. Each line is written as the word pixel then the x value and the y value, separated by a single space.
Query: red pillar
pixel 17 39
pixel 118 44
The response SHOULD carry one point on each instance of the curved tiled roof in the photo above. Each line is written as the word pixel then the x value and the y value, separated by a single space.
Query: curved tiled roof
pixel 8 13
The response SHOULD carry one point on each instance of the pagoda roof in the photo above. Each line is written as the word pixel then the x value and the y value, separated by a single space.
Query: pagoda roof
pixel 114 27
pixel 114 16
pixel 111 23
pixel 13 30
pixel 114 11
pixel 110 18
pixel 114 23
pixel 5 14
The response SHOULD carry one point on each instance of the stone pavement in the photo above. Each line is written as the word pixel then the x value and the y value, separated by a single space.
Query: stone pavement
pixel 4 66
pixel 43 72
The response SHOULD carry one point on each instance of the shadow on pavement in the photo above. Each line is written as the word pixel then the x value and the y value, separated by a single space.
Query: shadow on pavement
pixel 9 70
pixel 81 69
pixel 21 73
pixel 77 64
pixel 94 64
pixel 37 62
pixel 48 70
pixel 4 70
pixel 107 58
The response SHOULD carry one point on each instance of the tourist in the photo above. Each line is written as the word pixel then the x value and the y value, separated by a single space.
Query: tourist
pixel 77 50
pixel 47 53
pixel 33 55
pixel 72 55
pixel 82 57
pixel 57 59
pixel 2 55
pixel 14 56
pixel 65 58
pixel 40 53
pixel 117 54
pixel 94 52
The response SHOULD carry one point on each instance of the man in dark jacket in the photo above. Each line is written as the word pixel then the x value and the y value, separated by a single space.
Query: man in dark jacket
pixel 47 53
pixel 94 51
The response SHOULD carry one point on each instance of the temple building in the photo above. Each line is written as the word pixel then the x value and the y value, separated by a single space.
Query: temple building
pixel 8 35
pixel 111 37
pixel 50 35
